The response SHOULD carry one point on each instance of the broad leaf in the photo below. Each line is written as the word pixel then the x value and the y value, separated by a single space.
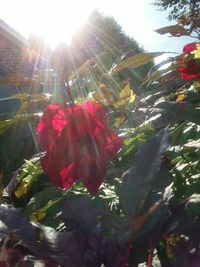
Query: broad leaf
pixel 174 30
pixel 147 162
pixel 134 61
pixel 46 243
pixel 105 232
pixel 82 213
pixel 126 96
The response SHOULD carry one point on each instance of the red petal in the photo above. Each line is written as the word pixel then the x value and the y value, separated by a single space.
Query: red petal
pixel 97 111
pixel 189 47
pixel 111 143
pixel 190 71
pixel 62 176
pixel 92 176
pixel 78 144
pixel 59 162
pixel 51 124
pixel 81 123
pixel 67 176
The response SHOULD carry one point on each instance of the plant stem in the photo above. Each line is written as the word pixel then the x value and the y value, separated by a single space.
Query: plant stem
pixel 150 259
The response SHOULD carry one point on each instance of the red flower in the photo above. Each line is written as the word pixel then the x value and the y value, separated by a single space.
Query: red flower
pixel 189 47
pixel 189 66
pixel 78 144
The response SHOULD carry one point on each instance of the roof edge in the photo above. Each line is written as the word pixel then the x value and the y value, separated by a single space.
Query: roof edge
pixel 12 34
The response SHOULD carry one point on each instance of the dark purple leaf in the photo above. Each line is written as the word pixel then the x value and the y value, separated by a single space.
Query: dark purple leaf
pixel 104 231
pixel 141 177
pixel 65 248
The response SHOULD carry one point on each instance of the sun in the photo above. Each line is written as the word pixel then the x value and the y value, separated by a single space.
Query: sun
pixel 61 20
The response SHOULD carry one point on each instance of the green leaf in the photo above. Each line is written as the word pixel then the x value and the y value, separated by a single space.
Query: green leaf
pixel 7 124
pixel 33 97
pixel 26 181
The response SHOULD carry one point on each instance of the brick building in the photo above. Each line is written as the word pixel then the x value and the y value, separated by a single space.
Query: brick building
pixel 15 59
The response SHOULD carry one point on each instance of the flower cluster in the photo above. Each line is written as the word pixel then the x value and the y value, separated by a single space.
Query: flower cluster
pixel 189 62
pixel 78 144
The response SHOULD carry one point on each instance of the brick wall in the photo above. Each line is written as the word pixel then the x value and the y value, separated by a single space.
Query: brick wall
pixel 13 58
pixel 14 54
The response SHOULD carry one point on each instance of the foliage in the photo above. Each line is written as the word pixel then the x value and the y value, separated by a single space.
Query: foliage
pixel 145 210
pixel 177 8
pixel 187 16
pixel 101 34
pixel 96 47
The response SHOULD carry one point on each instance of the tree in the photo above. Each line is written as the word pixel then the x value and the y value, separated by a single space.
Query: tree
pixel 187 8
pixel 102 34
pixel 103 38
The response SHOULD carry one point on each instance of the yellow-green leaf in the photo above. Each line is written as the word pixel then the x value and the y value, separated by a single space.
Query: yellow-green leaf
pixel 104 95
pixel 38 215
pixel 135 61
pixel 22 189
pixel 125 92
pixel 126 96
pixel 174 30
pixel 33 97
pixel 181 97
pixel 197 51
pixel 119 121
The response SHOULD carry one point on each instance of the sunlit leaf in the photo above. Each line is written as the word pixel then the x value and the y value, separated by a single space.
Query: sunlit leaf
pixel 181 97
pixel 23 107
pixel 134 61
pixel 33 97
pixel 119 121
pixel 125 96
pixel 37 215
pixel 22 189
pixel 194 143
pixel 125 92
pixel 174 30
pixel 197 51
pixel 153 76
pixel 104 95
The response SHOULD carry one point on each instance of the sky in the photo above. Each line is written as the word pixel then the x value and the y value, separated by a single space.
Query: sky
pixel 57 20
